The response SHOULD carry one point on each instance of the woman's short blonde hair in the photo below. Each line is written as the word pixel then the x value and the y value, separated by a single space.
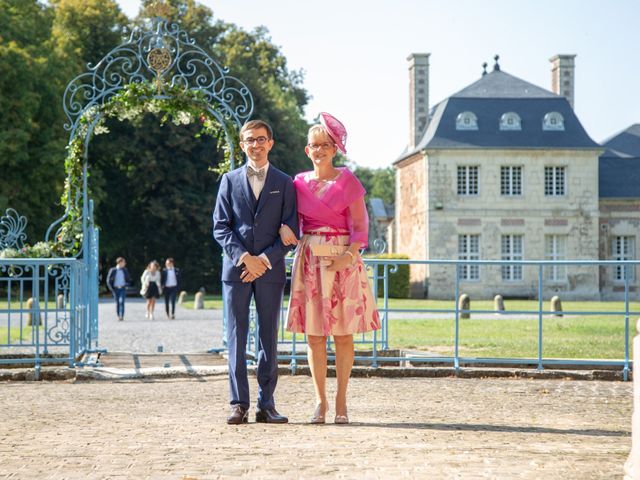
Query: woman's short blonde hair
pixel 318 130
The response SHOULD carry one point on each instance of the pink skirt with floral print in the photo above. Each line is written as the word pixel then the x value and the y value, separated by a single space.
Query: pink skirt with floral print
pixel 329 303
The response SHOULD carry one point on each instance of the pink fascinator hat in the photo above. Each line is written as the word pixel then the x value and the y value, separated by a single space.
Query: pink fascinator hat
pixel 335 129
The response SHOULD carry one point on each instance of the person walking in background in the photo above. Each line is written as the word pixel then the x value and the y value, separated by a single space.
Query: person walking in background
pixel 151 286
pixel 330 291
pixel 253 202
pixel 117 280
pixel 171 281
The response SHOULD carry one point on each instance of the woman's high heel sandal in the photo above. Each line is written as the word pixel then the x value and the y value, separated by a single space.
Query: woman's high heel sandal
pixel 319 416
pixel 341 420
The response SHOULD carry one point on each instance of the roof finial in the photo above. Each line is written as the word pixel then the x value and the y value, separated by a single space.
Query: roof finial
pixel 496 66
pixel 484 69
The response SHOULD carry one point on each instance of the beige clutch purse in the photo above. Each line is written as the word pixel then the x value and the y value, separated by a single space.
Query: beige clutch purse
pixel 328 250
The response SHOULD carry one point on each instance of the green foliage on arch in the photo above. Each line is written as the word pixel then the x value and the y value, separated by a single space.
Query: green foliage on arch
pixel 132 103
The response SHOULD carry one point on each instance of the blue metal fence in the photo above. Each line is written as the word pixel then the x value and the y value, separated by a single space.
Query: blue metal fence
pixel 49 306
pixel 291 346
pixel 42 313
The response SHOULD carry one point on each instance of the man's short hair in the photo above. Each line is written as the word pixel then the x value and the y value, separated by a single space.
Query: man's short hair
pixel 170 259
pixel 256 124
pixel 119 259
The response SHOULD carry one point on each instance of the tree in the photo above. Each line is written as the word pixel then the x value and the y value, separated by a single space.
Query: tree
pixel 378 182
pixel 30 134
pixel 154 195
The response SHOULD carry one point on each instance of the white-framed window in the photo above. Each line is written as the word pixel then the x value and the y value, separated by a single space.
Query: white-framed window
pixel 624 249
pixel 468 180
pixel 555 248
pixel 467 121
pixel 511 248
pixel 555 181
pixel 553 121
pixel 511 180
pixel 469 249
pixel 510 121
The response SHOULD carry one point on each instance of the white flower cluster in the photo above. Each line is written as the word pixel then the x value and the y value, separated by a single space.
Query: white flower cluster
pixel 9 253
pixel 182 118
pixel 100 129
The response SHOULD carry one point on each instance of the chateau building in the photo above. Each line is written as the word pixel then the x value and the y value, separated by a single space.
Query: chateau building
pixel 504 170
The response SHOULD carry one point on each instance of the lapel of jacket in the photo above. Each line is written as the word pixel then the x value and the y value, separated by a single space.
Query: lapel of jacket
pixel 246 189
pixel 264 194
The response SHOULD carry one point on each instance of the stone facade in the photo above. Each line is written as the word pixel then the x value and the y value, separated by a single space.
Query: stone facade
pixel 618 218
pixel 428 196
pixel 410 235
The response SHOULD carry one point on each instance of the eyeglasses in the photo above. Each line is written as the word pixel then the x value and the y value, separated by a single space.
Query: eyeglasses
pixel 318 146
pixel 252 141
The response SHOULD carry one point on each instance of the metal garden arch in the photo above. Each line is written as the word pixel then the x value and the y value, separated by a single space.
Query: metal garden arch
pixel 158 53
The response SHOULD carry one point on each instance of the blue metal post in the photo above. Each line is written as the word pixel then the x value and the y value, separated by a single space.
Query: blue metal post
pixel 35 316
pixel 625 370
pixel 456 357
pixel 540 307
pixel 374 348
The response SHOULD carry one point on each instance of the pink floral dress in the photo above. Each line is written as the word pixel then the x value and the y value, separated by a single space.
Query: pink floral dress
pixel 322 302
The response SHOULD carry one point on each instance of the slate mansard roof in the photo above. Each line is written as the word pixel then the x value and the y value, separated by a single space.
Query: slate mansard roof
pixel 619 167
pixel 489 98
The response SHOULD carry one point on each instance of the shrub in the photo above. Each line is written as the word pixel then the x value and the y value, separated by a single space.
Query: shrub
pixel 398 281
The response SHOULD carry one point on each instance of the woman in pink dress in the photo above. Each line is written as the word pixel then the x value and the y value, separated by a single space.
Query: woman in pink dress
pixel 330 295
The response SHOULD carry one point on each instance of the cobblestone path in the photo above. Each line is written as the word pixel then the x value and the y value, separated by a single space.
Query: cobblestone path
pixel 428 428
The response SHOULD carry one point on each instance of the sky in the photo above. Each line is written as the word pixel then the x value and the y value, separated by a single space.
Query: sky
pixel 354 56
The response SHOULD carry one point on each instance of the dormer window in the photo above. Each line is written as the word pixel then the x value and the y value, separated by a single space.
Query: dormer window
pixel 467 121
pixel 553 121
pixel 510 121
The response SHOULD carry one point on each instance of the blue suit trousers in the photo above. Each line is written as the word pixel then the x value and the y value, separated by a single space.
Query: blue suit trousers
pixel 268 301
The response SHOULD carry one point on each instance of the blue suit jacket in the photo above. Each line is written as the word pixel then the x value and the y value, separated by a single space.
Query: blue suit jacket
pixel 243 224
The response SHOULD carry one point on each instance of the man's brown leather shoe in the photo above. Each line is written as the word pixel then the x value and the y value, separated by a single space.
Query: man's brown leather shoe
pixel 269 415
pixel 239 415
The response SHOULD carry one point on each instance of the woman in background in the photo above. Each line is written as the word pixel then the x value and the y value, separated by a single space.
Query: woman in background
pixel 151 286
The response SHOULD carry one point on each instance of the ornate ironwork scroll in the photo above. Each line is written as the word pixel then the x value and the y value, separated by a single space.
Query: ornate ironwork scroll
pixel 12 227
pixel 162 54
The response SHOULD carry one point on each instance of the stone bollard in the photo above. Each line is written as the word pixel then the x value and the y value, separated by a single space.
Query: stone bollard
pixel 498 303
pixel 632 466
pixel 60 302
pixel 181 297
pixel 30 314
pixel 556 306
pixel 198 304
pixel 464 303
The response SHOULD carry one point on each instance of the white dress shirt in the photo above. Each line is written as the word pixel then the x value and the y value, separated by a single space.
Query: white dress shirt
pixel 172 281
pixel 257 184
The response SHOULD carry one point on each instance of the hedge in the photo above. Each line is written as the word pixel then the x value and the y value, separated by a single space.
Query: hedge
pixel 398 281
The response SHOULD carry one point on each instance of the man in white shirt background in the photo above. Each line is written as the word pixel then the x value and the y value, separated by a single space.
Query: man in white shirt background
pixel 171 279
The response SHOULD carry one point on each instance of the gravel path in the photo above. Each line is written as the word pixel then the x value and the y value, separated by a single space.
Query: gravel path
pixel 191 331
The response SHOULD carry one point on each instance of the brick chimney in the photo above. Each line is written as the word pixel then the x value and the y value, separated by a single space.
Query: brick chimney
pixel 418 96
pixel 563 76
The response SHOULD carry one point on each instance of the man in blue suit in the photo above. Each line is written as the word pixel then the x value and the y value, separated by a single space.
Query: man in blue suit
pixel 253 202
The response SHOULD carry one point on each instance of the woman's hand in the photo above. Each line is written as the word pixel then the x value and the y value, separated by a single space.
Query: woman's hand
pixel 287 236
pixel 340 262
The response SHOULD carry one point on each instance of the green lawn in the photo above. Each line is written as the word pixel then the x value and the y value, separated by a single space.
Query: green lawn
pixel 591 338
pixel 15 337
pixel 215 302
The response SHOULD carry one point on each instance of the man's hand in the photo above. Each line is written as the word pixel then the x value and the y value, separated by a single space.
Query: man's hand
pixel 254 267
pixel 287 236
pixel 247 277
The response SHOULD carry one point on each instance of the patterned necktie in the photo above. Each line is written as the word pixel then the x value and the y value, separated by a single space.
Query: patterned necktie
pixel 259 174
